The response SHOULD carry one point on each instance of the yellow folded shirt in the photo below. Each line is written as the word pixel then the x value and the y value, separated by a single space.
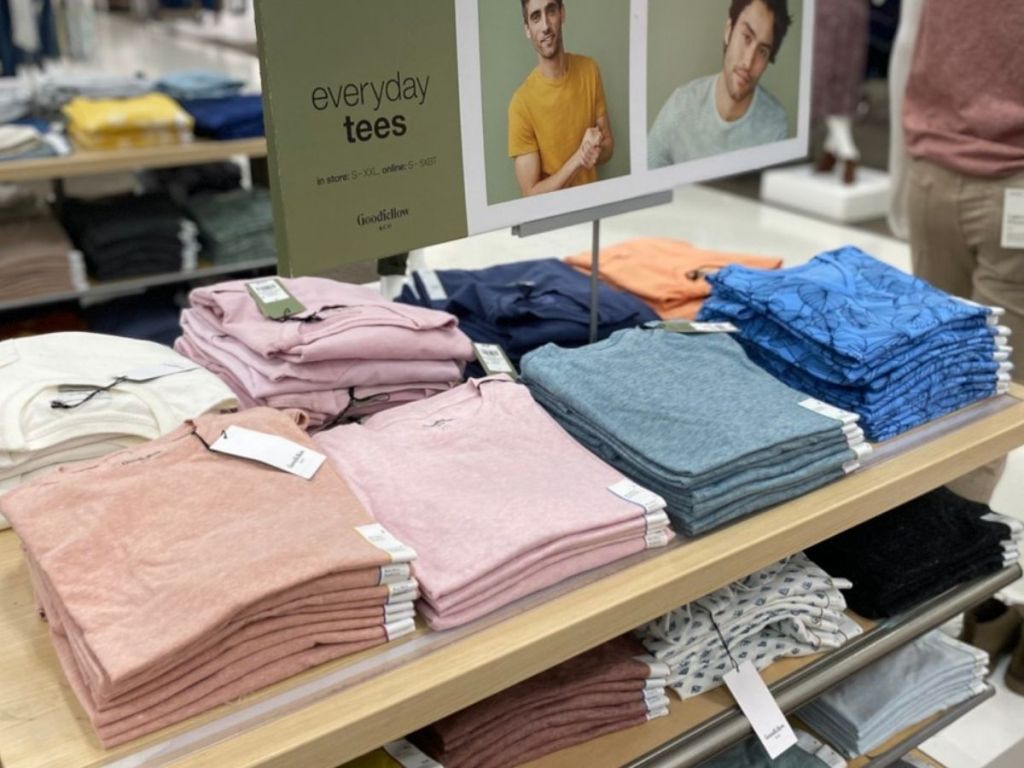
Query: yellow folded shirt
pixel 129 139
pixel 154 110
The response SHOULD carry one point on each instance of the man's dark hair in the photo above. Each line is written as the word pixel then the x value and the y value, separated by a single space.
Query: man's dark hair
pixel 780 14
pixel 524 2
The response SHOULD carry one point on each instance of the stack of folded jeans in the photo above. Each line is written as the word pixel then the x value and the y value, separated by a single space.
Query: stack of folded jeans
pixel 808 752
pixel 791 608
pixel 524 305
pixel 235 117
pixel 35 258
pixel 130 236
pixel 868 338
pixel 234 226
pixel 54 414
pixel 199 84
pixel 497 500
pixel 350 353
pixel 607 689
pixel 670 276
pixel 200 577
pixel 904 557
pixel 909 685
pixel 109 124
pixel 690 417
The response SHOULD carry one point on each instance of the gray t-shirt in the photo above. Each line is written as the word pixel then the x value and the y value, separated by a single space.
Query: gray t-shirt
pixel 689 126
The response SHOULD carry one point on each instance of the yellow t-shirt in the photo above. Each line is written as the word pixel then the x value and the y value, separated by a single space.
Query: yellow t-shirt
pixel 550 116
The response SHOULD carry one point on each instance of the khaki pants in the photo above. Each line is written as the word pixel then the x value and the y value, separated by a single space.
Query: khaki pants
pixel 955 239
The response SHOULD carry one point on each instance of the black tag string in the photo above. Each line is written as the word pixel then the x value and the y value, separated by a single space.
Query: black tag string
pixel 353 401
pixel 702 271
pixel 61 405
pixel 721 637
pixel 201 439
pixel 312 317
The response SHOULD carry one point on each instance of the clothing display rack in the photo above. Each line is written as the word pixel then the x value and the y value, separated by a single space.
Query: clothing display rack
pixel 346 708
pixel 88 163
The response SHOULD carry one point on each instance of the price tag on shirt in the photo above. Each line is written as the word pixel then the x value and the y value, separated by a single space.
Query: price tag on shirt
pixel 433 285
pixel 153 372
pixel 381 538
pixel 631 492
pixel 408 756
pixel 274 451
pixel 683 326
pixel 830 411
pixel 1013 219
pixel 760 708
pixel 273 299
pixel 494 360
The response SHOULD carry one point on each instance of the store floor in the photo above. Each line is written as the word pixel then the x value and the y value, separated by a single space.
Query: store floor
pixel 704 216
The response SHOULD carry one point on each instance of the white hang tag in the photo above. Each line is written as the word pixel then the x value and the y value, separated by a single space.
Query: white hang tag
pixel 633 493
pixel 1013 219
pixel 433 285
pixel 760 708
pixel 151 372
pixel 400 628
pixel 824 409
pixel 658 669
pixel 408 756
pixel 277 452
pixel 392 574
pixel 381 538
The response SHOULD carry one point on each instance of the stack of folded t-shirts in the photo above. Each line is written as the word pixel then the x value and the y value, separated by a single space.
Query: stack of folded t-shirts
pixel 68 397
pixel 187 180
pixel 17 203
pixel 919 550
pixel 31 140
pixel 497 500
pixel 234 226
pixel 15 99
pixel 610 688
pixel 524 305
pixel 791 608
pixel 35 258
pixel 132 235
pixel 176 578
pixel 690 417
pixel 866 337
pixel 909 685
pixel 808 752
pixel 350 353
pixel 56 90
pixel 109 124
pixel 199 84
pixel 234 117
pixel 668 275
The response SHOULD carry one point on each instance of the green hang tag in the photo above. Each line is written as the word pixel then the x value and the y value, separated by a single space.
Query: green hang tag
pixel 685 326
pixel 273 299
pixel 494 360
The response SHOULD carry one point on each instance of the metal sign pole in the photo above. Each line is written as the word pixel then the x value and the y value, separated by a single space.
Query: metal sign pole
pixel 595 266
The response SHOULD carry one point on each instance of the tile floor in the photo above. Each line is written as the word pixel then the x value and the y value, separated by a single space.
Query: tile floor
pixel 703 216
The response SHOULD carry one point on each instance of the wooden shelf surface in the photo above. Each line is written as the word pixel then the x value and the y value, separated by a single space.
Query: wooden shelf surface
pixel 395 690
pixel 90 162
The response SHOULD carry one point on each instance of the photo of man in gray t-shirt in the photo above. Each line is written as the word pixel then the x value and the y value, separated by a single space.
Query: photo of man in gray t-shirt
pixel 727 110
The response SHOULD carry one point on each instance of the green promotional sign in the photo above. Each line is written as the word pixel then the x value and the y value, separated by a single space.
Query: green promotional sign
pixel 362 112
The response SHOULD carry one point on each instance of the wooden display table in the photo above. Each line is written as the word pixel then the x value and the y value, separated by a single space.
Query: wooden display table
pixel 344 709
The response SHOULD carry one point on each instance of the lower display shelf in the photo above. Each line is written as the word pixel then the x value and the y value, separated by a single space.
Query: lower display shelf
pixel 114 288
pixel 903 743
pixel 343 709
pixel 699 728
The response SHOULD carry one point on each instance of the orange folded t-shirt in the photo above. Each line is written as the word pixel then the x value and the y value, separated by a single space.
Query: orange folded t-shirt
pixel 668 275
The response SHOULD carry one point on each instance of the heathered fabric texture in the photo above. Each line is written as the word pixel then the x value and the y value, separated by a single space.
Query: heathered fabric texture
pixel 682 415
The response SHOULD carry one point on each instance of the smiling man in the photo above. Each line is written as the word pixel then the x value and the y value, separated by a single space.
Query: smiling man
pixel 558 130
pixel 728 110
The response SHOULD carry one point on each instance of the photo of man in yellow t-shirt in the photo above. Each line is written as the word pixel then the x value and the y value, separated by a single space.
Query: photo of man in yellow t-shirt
pixel 558 128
